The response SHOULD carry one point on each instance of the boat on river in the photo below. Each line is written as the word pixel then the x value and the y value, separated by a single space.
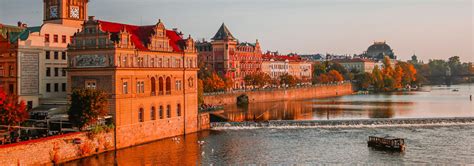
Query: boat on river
pixel 387 143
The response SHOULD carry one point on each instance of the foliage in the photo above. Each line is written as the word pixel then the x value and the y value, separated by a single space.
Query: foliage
pixel 200 92
pixel 242 100
pixel 257 79
pixel 12 112
pixel 287 79
pixel 363 80
pixel 213 83
pixel 435 70
pixel 87 106
pixel 331 76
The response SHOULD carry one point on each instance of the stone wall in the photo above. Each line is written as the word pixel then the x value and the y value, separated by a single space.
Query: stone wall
pixel 282 94
pixel 57 149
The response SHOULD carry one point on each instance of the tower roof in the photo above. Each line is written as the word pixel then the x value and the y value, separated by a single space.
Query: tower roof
pixel 223 33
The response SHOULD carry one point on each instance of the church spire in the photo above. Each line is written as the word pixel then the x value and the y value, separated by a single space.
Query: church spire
pixel 223 33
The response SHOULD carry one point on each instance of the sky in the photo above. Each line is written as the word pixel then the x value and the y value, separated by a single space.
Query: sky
pixel 431 29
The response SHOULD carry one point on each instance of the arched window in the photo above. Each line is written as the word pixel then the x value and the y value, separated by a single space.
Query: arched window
pixel 168 85
pixel 153 113
pixel 153 86
pixel 161 112
pixel 178 109
pixel 160 84
pixel 140 115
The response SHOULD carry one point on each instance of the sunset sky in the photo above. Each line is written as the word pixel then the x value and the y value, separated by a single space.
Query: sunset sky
pixel 433 29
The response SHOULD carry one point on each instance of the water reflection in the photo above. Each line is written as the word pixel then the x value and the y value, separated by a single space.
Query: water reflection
pixel 432 102
pixel 180 151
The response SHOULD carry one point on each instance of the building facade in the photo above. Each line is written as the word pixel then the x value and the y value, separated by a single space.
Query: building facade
pixel 378 51
pixel 150 73
pixel 230 58
pixel 277 65
pixel 8 58
pixel 358 64
pixel 41 53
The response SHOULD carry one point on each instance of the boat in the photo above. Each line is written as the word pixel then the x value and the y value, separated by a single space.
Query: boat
pixel 387 143
pixel 455 90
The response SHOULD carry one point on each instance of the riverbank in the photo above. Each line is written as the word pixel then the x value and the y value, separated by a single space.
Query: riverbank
pixel 380 122
pixel 317 91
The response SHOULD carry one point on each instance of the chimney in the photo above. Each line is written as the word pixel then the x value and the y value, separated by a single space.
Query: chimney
pixel 19 23
pixel 91 18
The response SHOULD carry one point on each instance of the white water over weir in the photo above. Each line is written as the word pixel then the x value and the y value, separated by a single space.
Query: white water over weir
pixel 382 122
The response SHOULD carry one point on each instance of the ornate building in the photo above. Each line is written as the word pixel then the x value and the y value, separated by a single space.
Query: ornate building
pixel 378 51
pixel 149 71
pixel 229 57
pixel 8 57
pixel 40 51
pixel 276 65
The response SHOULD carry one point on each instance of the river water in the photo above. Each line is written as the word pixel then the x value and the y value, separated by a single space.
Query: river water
pixel 445 144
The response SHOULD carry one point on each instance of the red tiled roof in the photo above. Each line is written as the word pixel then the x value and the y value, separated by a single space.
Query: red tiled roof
pixel 140 35
pixel 281 57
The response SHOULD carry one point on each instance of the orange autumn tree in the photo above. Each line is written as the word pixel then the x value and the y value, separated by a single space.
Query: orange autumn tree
pixel 213 83
pixel 335 76
pixel 12 112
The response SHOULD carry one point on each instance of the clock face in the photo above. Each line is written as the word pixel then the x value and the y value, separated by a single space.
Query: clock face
pixel 74 12
pixel 53 11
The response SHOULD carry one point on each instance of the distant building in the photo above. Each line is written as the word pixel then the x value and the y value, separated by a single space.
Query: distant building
pixel 313 57
pixel 276 65
pixel 40 61
pixel 150 73
pixel 357 64
pixel 378 51
pixel 229 57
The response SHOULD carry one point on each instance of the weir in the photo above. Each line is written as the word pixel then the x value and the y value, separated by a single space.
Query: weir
pixel 343 123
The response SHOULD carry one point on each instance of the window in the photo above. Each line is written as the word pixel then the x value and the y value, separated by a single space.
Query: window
pixel 48 87
pixel 160 86
pixel 10 71
pixel 125 87
pixel 63 39
pixel 11 88
pixel 63 72
pixel 153 86
pixel 91 84
pixel 168 111
pixel 48 72
pixel 178 109
pixel 56 71
pixel 56 55
pixel 178 85
pixel 168 85
pixel 153 113
pixel 140 115
pixel 140 87
pixel 1 71
pixel 161 112
pixel 55 38
pixel 56 87
pixel 63 55
pixel 63 87
pixel 48 54
pixel 46 38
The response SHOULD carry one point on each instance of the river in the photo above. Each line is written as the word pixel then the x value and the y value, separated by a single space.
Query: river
pixel 441 144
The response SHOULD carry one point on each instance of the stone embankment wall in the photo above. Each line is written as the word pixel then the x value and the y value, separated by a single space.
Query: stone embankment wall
pixel 62 148
pixel 320 91
pixel 55 149
pixel 344 123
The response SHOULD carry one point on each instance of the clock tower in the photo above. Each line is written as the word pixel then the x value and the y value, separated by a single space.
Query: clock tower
pixel 66 12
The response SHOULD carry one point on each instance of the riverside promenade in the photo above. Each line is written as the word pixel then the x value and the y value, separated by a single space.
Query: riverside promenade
pixel 381 122
pixel 294 93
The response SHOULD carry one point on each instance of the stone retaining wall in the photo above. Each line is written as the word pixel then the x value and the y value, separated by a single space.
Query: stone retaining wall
pixel 57 149
pixel 282 94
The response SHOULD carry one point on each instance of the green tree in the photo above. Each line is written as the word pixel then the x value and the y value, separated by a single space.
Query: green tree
pixel 363 80
pixel 378 81
pixel 87 106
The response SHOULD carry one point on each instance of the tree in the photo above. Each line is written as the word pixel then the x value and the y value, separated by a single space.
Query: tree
pixel 363 80
pixel 335 76
pixel 87 106
pixel 200 92
pixel 377 79
pixel 213 83
pixel 12 112
pixel 287 79
pixel 257 79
